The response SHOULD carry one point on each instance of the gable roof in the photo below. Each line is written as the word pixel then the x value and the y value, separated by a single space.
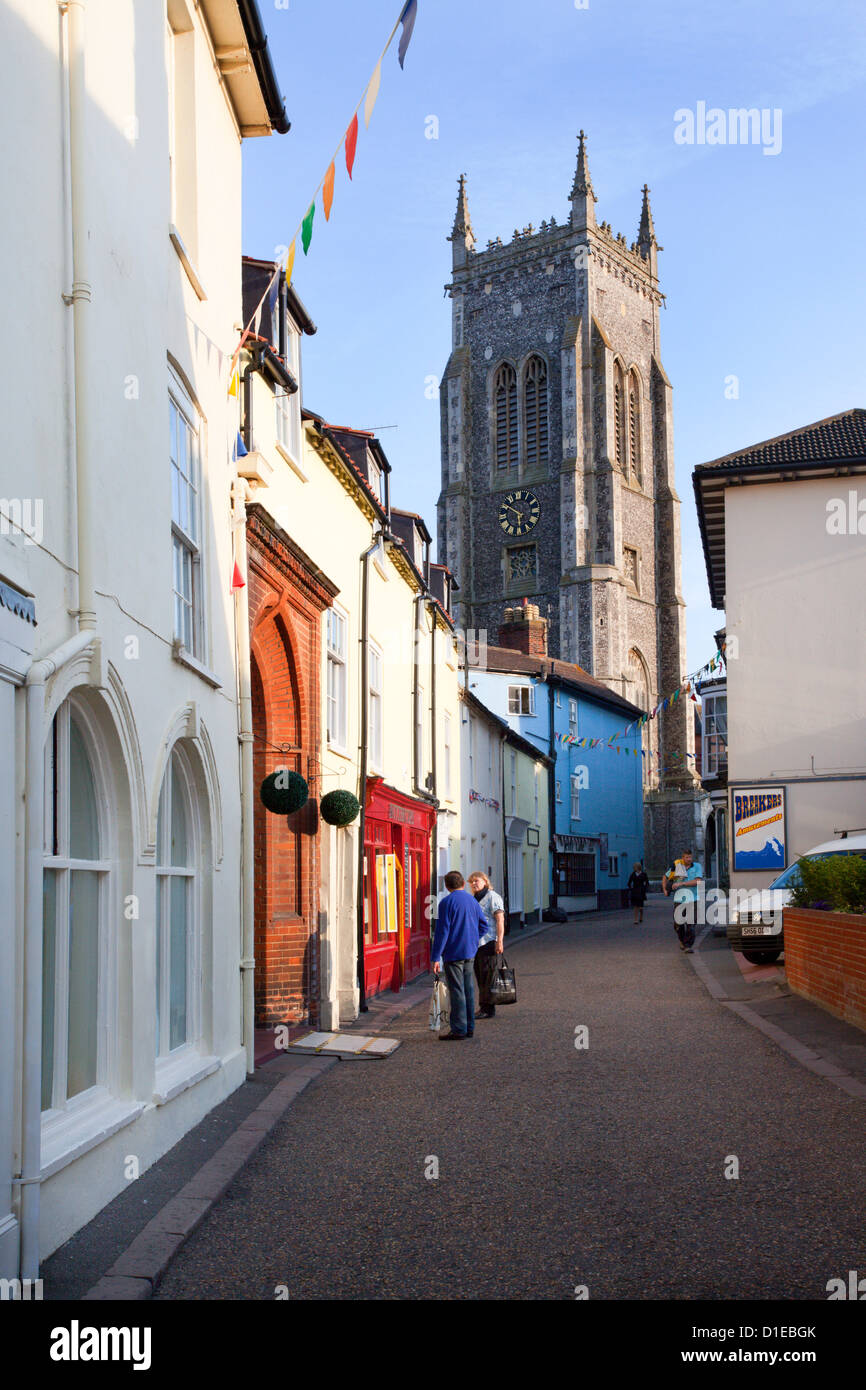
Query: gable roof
pixel 831 447
pixel 564 673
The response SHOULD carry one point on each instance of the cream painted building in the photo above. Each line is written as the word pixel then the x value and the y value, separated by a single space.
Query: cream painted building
pixel 784 530
pixel 122 1022
pixel 482 736
pixel 372 688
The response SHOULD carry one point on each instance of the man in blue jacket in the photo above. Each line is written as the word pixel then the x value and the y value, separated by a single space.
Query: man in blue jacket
pixel 460 924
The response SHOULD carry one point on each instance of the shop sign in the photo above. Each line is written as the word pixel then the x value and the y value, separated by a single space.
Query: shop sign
pixel 758 828
pixel 576 844
pixel 485 800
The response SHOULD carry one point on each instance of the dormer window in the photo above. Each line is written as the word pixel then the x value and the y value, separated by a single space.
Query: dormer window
pixel 288 403
pixel 374 476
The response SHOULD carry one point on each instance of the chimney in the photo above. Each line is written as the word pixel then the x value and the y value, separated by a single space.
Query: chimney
pixel 524 630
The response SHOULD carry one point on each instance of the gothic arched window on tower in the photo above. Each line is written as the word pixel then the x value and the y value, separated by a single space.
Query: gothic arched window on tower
pixel 505 402
pixel 619 444
pixel 535 411
pixel 638 692
pixel 634 448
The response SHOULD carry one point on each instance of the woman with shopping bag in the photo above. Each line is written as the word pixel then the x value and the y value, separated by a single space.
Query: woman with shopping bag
pixel 492 943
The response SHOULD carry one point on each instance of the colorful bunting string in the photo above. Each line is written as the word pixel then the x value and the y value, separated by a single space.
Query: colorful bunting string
pixel 690 686
pixel 408 15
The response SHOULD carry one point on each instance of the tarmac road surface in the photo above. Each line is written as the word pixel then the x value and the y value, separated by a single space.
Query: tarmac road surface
pixel 558 1166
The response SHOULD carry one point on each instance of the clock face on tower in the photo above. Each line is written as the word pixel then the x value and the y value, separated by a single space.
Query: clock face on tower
pixel 519 512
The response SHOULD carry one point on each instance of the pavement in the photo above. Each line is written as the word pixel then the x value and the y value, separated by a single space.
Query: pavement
pixel 523 1164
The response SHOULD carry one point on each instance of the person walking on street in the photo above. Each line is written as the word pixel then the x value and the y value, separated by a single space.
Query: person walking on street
pixel 684 880
pixel 492 943
pixel 460 924
pixel 638 886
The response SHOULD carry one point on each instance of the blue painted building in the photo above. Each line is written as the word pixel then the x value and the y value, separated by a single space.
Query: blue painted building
pixel 596 794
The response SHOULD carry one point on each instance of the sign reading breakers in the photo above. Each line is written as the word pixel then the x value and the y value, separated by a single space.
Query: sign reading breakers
pixel 758 828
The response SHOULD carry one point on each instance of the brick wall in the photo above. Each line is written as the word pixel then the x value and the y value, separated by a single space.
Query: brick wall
pixel 287 597
pixel 825 960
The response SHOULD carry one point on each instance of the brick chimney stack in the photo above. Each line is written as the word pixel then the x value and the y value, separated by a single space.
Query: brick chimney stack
pixel 524 630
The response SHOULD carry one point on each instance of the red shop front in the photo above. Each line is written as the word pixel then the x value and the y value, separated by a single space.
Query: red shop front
pixel 397 842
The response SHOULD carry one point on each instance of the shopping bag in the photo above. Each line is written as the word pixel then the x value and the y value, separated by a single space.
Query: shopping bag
pixel 503 983
pixel 440 1005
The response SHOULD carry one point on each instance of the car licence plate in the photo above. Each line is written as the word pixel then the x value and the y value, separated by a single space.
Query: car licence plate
pixel 757 931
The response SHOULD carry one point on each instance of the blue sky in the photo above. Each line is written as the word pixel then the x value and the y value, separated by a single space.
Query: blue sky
pixel 762 263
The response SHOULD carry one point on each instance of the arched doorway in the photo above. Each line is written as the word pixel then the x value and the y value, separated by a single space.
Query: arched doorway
pixel 284 942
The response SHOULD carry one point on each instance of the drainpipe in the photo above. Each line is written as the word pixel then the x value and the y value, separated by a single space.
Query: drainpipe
pixel 80 301
pixel 416 693
pixel 502 750
pixel 362 762
pixel 241 494
pixel 434 838
pixel 41 671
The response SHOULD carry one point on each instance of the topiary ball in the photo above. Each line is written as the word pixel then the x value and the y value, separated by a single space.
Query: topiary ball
pixel 339 808
pixel 284 792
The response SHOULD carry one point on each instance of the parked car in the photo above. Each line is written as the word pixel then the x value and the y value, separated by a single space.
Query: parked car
pixel 755 925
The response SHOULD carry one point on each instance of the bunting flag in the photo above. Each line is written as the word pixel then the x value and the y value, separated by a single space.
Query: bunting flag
pixel 307 227
pixel 408 15
pixel 407 19
pixel 372 93
pixel 690 687
pixel 233 383
pixel 240 447
pixel 328 192
pixel 351 144
pixel 238 581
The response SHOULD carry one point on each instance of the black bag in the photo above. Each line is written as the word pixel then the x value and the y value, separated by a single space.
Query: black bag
pixel 503 984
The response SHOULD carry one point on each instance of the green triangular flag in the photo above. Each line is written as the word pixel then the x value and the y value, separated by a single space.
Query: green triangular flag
pixel 307 228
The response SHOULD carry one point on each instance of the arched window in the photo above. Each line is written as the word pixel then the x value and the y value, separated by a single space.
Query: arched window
pixel 634 447
pixel 535 411
pixel 75 915
pixel 619 436
pixel 176 908
pixel 505 402
pixel 638 693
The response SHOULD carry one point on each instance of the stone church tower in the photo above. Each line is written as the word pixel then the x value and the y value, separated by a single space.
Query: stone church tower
pixel 558 471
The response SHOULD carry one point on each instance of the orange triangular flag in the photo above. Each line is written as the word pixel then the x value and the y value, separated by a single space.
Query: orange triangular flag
pixel 238 581
pixel 328 191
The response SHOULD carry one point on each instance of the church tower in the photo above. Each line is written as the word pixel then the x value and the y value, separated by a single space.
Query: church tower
pixel 557 464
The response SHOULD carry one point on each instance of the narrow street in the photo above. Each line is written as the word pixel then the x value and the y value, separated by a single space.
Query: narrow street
pixel 558 1166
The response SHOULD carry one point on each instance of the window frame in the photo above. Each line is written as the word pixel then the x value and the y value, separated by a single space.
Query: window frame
pixel 165 871
pixel 712 737
pixel 523 713
pixel 337 661
pixel 57 859
pixel 188 538
pixel 506 420
pixel 574 780
pixel 536 435
pixel 376 699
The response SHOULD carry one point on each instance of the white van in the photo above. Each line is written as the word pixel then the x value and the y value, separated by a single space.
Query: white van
pixel 755 925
